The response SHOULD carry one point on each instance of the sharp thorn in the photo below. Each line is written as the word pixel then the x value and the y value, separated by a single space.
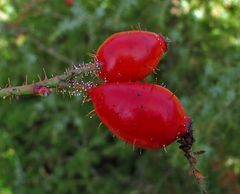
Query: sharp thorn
pixel 91 54
pixel 40 79
pixel 84 99
pixel 100 124
pixel 91 112
pixel 9 83
pixel 45 75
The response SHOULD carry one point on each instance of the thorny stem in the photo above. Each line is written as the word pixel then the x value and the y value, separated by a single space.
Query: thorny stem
pixel 42 88
pixel 186 146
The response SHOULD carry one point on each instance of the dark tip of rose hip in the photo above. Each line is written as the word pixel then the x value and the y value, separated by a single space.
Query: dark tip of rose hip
pixel 166 42
pixel 188 123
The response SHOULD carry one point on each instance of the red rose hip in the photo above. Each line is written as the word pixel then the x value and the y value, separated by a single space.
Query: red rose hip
pixel 145 115
pixel 130 55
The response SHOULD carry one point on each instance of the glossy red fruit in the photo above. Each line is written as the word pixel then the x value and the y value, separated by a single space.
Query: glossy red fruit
pixel 130 55
pixel 145 115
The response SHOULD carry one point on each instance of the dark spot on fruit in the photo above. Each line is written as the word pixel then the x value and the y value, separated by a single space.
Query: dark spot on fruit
pixel 145 38
pixel 141 106
pixel 138 94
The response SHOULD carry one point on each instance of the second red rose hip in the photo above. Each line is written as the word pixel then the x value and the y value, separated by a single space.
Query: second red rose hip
pixel 130 55
pixel 145 115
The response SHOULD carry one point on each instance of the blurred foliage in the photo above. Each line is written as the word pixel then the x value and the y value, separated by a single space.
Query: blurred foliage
pixel 49 145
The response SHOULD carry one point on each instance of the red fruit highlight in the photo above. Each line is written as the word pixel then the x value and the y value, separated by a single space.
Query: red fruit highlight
pixel 145 115
pixel 130 55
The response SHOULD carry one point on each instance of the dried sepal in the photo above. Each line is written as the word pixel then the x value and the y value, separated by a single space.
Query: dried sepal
pixel 186 143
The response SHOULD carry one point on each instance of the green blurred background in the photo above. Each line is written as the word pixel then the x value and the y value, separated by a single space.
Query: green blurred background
pixel 49 145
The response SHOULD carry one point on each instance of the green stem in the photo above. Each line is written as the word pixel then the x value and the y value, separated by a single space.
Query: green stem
pixel 56 82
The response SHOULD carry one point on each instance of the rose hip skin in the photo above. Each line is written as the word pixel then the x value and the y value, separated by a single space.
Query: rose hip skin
pixel 145 115
pixel 130 55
